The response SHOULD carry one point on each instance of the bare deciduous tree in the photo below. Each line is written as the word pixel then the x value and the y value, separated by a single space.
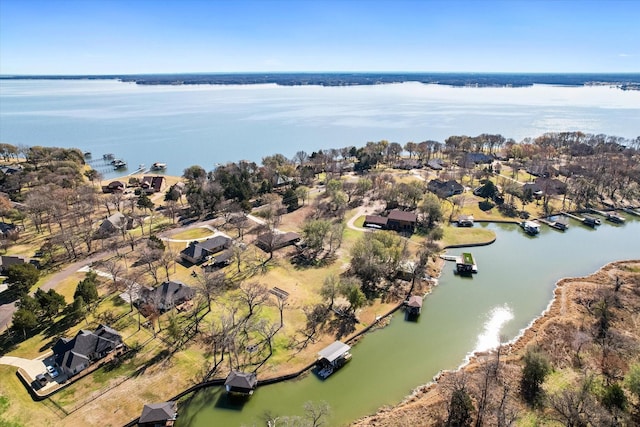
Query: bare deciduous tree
pixel 253 295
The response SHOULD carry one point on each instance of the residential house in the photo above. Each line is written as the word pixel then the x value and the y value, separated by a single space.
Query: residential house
pixel 166 295
pixel 77 354
pixel 219 260
pixel 243 383
pixel 469 159
pixel 408 164
pixel 274 240
pixel 542 186
pixel 401 221
pixel 7 229
pixel 152 184
pixel 7 261
pixel 116 222
pixel 280 180
pixel 11 169
pixel 114 187
pixel 161 414
pixel 375 221
pixel 198 252
pixel 544 171
pixel 435 164
pixel 445 189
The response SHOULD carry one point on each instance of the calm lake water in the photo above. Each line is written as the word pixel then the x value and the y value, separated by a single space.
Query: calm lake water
pixel 514 285
pixel 207 125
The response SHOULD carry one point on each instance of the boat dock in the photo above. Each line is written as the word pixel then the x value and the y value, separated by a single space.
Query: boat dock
pixel 141 169
pixel 612 216
pixel 586 220
pixel 465 263
pixel 558 225
pixel 569 215
pixel 530 227
pixel 631 211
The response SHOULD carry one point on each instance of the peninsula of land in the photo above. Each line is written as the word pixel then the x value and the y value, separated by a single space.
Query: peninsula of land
pixel 144 288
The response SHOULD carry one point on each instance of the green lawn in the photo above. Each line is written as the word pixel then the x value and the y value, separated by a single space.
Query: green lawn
pixel 454 235
pixel 17 408
pixel 193 234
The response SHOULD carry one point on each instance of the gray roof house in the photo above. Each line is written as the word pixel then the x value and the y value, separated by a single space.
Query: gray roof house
pixel 116 222
pixel 167 295
pixel 274 240
pixel 445 189
pixel 76 354
pixel 197 252
pixel 7 261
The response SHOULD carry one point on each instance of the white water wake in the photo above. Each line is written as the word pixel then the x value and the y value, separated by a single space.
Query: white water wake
pixel 489 338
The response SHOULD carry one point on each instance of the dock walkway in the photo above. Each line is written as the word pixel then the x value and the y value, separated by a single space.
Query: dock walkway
pixel 576 217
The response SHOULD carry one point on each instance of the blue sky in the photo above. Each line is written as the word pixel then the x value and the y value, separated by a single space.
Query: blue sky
pixel 169 36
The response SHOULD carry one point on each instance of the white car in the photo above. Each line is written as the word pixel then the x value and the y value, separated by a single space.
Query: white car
pixel 53 372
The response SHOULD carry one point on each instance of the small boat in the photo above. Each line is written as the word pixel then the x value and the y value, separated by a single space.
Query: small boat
pixel 158 166
pixel 591 221
pixel 107 156
pixel 87 153
pixel 615 218
pixel 530 227
pixel 119 164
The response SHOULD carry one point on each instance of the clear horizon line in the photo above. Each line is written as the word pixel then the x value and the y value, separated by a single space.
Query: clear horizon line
pixel 314 72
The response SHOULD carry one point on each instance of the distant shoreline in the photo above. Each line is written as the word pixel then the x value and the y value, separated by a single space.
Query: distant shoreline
pixel 623 81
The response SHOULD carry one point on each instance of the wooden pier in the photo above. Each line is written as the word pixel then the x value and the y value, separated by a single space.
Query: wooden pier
pixel 631 211
pixel 569 215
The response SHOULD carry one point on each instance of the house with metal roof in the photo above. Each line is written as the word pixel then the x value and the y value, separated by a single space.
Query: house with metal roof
pixel 333 357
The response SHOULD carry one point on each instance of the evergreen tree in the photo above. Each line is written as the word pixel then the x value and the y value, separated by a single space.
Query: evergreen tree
pixel 87 288
pixel 536 368
pixel 24 320
pixel 21 277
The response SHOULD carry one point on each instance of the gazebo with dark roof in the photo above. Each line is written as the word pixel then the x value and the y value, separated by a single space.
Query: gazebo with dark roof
pixel 241 382
pixel 158 414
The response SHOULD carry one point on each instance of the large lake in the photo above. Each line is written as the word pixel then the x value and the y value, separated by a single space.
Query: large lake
pixel 207 125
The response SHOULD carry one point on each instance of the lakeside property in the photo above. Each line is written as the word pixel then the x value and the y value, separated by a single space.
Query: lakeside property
pixel 283 288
